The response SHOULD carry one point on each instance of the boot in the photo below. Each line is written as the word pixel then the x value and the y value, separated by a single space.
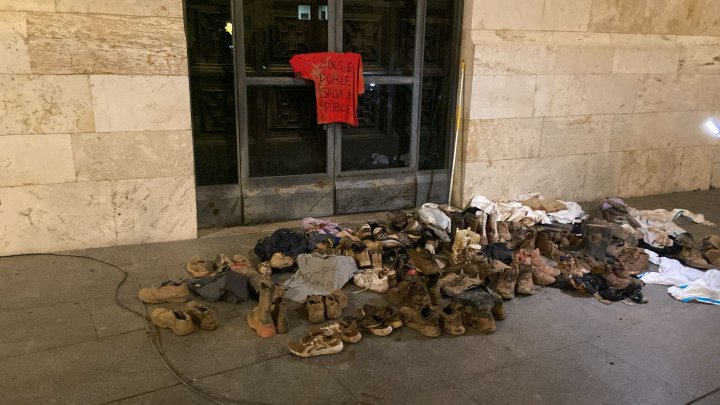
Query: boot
pixel 363 259
pixel 279 309
pixel 375 250
pixel 425 320
pixel 492 231
pixel 524 283
pixel 537 261
pixel 451 319
pixel 260 318
pixel 503 230
pixel 505 283
pixel 481 319
pixel 335 303
pixel 431 282
pixel 597 239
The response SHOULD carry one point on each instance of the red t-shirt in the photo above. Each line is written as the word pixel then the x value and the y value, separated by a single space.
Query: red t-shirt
pixel 338 81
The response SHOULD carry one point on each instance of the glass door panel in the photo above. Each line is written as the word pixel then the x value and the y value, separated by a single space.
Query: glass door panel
pixel 284 137
pixel 383 32
pixel 382 138
pixel 277 30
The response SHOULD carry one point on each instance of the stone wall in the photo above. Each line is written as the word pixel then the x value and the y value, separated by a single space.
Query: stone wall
pixel 95 140
pixel 582 99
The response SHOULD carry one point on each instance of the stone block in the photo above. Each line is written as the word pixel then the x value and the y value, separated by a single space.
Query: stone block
pixel 103 44
pixel 155 210
pixel 502 96
pixel 715 181
pixel 576 135
pixel 559 177
pixel 645 54
pixel 699 54
pixel 36 159
pixel 696 168
pixel 647 172
pixel 45 104
pixel 566 15
pixel 659 93
pixel 617 15
pixel 499 139
pixel 13 43
pixel 710 19
pixel 508 52
pixel 488 178
pixel 672 17
pixel 583 53
pixel 46 218
pixel 132 155
pixel 140 103
pixel 585 95
pixel 158 8
pixel 603 176
pixel 660 131
pixel 507 14
pixel 27 5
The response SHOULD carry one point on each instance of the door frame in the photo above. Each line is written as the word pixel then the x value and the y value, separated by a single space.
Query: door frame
pixel 258 195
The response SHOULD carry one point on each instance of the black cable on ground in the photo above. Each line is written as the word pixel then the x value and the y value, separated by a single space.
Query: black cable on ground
pixel 151 330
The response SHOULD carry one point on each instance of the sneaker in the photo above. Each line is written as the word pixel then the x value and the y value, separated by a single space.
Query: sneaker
pixel 204 316
pixel 372 279
pixel 454 284
pixel 176 320
pixel 197 267
pixel 424 261
pixel 347 327
pixel 335 303
pixel 365 232
pixel 479 319
pixel 451 319
pixel 412 294
pixel 376 321
pixel 222 261
pixel 280 261
pixel 390 239
pixel 424 320
pixel 169 291
pixel 316 308
pixel 325 341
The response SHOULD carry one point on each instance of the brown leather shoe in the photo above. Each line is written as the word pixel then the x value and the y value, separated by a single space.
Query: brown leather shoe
pixel 176 320
pixel 169 291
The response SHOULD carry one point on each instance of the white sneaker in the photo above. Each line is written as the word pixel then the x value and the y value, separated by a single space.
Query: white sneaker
pixel 372 280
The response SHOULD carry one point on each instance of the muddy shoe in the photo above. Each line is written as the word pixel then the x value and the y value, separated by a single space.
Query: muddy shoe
pixel 411 294
pixel 169 291
pixel 222 261
pixel 280 261
pixel 363 259
pixel 498 311
pixel 524 283
pixel 325 341
pixel 197 267
pixel 454 284
pixel 711 249
pixel 503 230
pixel 315 305
pixel 375 250
pixel 479 319
pixel 374 321
pixel 389 315
pixel 204 316
pixel 537 261
pixel 424 261
pixel 177 321
pixel 505 282
pixel 451 319
pixel 371 279
pixel 347 327
pixel 278 310
pixel 424 320
pixel 634 260
pixel 335 303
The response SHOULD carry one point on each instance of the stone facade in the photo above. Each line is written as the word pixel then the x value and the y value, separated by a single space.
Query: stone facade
pixel 95 140
pixel 583 99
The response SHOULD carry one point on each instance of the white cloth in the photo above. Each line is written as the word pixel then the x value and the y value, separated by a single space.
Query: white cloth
pixel 686 283
pixel 514 211
pixel 657 226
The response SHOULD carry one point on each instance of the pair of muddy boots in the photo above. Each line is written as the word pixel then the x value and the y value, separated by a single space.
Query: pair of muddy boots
pixel 269 317
pixel 329 306
pixel 518 278
pixel 183 322
pixel 481 308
